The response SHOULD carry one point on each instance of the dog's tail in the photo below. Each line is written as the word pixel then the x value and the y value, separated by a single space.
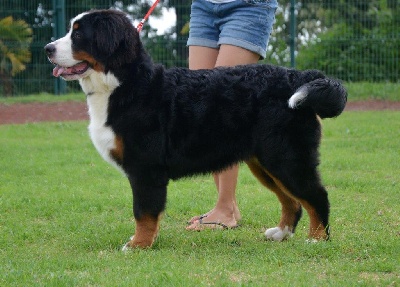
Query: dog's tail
pixel 327 97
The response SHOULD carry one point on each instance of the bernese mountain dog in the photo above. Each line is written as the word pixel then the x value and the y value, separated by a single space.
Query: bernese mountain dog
pixel 156 124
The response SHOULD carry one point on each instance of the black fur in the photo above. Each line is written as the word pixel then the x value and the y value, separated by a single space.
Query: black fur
pixel 176 122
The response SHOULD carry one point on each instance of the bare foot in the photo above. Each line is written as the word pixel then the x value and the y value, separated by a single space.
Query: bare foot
pixel 197 217
pixel 214 219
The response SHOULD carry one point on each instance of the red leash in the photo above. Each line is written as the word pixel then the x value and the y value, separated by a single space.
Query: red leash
pixel 140 26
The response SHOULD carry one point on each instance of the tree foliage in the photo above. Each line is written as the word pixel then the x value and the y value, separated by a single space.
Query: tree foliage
pixel 360 41
pixel 15 38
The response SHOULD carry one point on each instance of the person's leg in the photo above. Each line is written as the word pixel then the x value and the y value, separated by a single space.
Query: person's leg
pixel 227 55
pixel 241 31
pixel 202 57
pixel 230 56
pixel 226 210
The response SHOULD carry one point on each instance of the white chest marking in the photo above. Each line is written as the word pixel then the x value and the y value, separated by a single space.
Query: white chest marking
pixel 99 86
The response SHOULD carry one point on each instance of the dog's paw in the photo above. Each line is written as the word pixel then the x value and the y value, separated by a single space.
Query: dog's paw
pixel 135 242
pixel 127 246
pixel 278 234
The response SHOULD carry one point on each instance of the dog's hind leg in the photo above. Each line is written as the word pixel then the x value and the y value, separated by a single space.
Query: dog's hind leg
pixel 291 208
pixel 304 186
pixel 317 206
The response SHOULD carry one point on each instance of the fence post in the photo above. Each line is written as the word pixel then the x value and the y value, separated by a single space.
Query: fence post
pixel 292 33
pixel 60 86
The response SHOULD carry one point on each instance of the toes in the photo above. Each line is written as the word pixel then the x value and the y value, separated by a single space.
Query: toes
pixel 269 233
pixel 196 218
pixel 135 243
pixel 278 234
pixel 127 245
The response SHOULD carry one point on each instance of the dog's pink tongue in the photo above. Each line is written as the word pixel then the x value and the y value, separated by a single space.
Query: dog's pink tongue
pixel 58 70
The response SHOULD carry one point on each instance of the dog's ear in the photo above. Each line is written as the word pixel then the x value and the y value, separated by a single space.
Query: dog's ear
pixel 115 39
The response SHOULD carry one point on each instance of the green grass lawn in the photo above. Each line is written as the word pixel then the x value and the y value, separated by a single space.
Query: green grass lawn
pixel 65 214
pixel 360 91
pixel 43 98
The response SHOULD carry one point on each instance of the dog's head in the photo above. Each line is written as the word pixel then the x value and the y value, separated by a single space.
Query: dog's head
pixel 97 41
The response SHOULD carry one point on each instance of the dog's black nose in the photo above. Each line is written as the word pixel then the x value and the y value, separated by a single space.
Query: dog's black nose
pixel 50 49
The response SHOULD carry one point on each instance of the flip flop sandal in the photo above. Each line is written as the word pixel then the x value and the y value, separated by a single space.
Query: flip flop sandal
pixel 196 218
pixel 217 225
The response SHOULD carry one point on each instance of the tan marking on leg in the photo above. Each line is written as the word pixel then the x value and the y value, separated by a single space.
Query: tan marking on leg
pixel 290 206
pixel 146 232
pixel 319 120
pixel 317 229
pixel 118 152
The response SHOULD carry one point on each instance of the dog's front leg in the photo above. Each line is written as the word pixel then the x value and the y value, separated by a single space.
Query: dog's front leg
pixel 146 232
pixel 149 197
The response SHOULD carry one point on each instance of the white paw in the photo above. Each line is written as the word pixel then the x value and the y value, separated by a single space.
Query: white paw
pixel 278 234
pixel 126 247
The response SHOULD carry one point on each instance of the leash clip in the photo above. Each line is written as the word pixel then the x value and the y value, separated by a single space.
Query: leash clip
pixel 140 26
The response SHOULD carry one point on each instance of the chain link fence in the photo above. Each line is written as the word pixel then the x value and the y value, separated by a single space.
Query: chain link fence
pixel 352 40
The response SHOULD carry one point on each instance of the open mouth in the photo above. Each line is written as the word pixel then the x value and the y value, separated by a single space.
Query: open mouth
pixel 66 72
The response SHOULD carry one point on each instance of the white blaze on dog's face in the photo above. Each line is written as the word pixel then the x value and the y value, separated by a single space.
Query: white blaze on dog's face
pixel 71 64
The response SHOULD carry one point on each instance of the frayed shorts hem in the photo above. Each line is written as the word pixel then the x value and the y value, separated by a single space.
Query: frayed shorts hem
pixel 227 41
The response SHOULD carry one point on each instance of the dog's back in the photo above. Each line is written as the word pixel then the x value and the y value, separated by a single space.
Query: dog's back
pixel 234 107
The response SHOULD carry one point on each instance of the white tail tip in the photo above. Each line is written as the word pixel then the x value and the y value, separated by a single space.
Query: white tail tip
pixel 297 98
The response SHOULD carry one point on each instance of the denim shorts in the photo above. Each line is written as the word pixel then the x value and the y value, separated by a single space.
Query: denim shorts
pixel 243 23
